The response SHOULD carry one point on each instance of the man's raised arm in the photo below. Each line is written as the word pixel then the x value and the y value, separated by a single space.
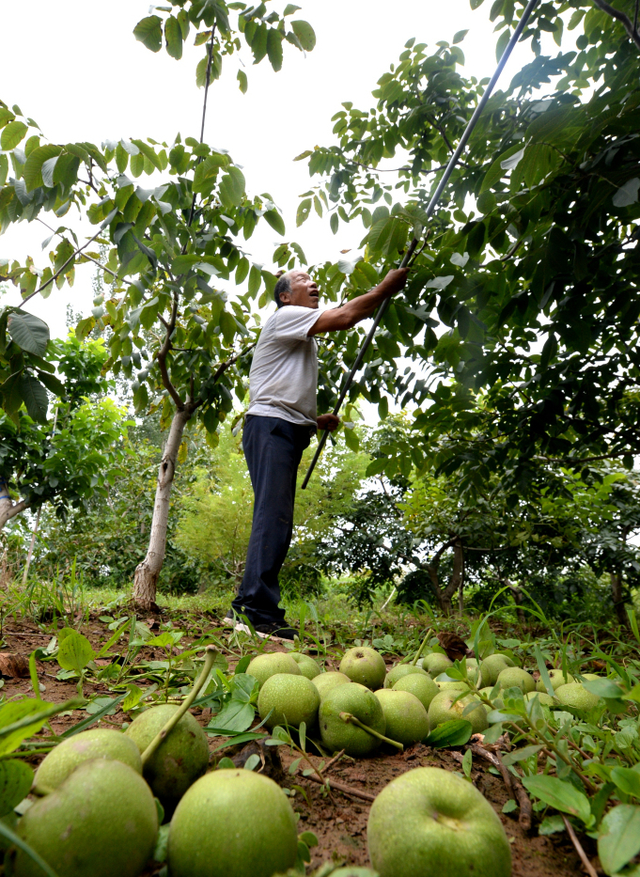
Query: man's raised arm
pixel 361 307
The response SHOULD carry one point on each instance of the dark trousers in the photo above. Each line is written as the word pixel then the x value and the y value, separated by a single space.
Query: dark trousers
pixel 273 448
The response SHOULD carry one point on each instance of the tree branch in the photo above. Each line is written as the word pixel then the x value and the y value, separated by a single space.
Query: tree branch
pixel 631 28
pixel 86 256
pixel 162 357
pixel 591 871
pixel 13 511
pixel 61 269
pixel 229 362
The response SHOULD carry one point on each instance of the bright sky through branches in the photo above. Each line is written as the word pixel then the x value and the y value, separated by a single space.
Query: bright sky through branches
pixel 76 69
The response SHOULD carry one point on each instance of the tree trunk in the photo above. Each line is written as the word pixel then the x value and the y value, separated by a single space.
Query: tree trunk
pixel 619 602
pixel 147 572
pixel 457 577
pixel 518 599
pixel 34 535
pixel 462 582
pixel 8 509
pixel 443 595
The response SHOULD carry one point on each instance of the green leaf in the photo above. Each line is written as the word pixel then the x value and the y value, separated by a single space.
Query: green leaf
pixel 603 688
pixel 242 270
pixel 173 37
pixel 459 36
pixel 456 732
pixel 240 738
pixel 34 397
pixel 497 169
pixel 255 279
pixel 162 842
pixel 30 333
pixel 232 187
pixel 627 194
pixel 228 326
pixel 551 825
pixel 133 698
pixel 303 211
pixel 305 34
pixel 18 713
pixel 274 48
pixel 16 778
pixel 149 153
pixel 544 674
pixel 235 716
pixel 32 173
pixel 508 164
pixel 275 221
pixel 633 621
pixel 560 795
pixel 501 45
pixel 520 754
pixel 627 779
pixel 75 652
pixel 12 134
pixel 242 81
pixel 52 383
pixel 207 171
pixel 619 837
pixel 149 32
pixel 108 708
pixel 351 440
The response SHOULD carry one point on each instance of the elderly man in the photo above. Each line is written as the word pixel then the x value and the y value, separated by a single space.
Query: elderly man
pixel 280 421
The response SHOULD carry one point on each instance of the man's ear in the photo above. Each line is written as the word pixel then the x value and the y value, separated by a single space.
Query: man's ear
pixel 285 298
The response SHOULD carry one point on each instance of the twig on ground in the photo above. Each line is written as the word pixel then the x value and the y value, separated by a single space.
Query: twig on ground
pixel 333 761
pixel 524 802
pixel 514 786
pixel 338 787
pixel 27 635
pixel 591 871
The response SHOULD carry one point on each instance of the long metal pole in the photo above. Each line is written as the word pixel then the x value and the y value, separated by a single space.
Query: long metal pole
pixel 531 5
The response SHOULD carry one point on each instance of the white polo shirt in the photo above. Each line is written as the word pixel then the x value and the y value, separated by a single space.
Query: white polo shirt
pixel 283 381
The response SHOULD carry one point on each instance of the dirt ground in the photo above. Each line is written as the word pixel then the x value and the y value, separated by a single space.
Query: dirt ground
pixel 339 821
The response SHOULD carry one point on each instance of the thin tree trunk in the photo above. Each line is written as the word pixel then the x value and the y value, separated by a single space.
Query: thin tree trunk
pixel 147 573
pixel 617 593
pixel 462 583
pixel 34 535
pixel 9 509
pixel 442 595
pixel 518 599
pixel 457 576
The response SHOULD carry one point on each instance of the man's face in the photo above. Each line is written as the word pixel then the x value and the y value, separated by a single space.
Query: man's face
pixel 304 291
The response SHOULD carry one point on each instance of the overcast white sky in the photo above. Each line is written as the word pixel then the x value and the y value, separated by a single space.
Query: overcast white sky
pixel 75 67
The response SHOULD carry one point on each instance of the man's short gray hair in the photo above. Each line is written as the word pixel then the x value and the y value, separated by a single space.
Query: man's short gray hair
pixel 283 285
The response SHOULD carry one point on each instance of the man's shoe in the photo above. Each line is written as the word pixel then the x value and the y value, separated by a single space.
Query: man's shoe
pixel 277 632
pixel 274 631
pixel 234 621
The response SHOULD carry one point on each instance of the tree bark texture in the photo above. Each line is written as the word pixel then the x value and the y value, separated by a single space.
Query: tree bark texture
pixel 34 536
pixel 619 602
pixel 456 582
pixel 518 598
pixel 147 573
pixel 9 509
pixel 444 596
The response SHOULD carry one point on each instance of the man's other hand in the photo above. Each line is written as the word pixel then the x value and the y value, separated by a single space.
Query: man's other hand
pixel 328 422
